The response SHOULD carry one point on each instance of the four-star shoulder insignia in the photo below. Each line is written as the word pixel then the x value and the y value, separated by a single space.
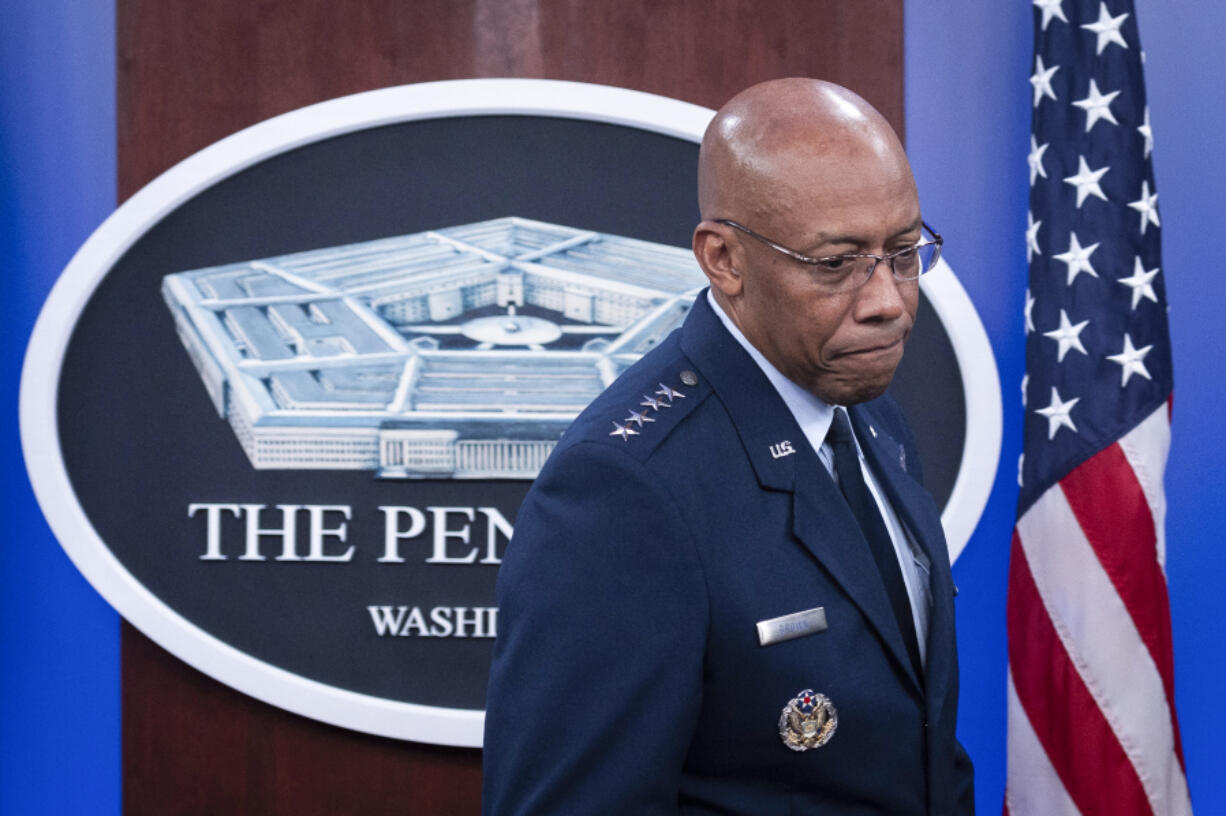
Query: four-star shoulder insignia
pixel 661 398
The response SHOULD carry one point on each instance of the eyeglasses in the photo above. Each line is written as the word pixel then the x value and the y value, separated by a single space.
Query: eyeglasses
pixel 841 273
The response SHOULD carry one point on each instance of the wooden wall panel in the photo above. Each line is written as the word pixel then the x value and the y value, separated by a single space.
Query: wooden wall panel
pixel 194 746
pixel 191 73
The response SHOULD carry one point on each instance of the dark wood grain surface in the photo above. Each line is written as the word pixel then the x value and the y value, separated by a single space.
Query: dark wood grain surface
pixel 191 73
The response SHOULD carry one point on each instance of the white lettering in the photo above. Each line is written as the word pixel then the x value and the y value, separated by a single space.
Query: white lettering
pixel 212 549
pixel 441 615
pixel 475 617
pixel 387 622
pixel 442 534
pixel 448 621
pixel 497 524
pixel 326 537
pixel 288 532
pixel 491 612
pixel 393 534
pixel 318 532
pixel 415 621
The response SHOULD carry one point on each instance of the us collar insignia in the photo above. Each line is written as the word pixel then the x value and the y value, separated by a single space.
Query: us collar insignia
pixel 808 721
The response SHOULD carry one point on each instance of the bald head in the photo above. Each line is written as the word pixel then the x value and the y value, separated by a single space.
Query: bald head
pixel 753 141
pixel 800 167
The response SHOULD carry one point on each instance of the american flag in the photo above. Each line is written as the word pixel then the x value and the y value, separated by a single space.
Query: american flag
pixel 1092 726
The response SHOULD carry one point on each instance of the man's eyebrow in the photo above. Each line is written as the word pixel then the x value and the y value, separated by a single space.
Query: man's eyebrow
pixel 857 241
pixel 915 225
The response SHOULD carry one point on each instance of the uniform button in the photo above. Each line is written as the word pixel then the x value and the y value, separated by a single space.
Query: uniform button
pixel 689 378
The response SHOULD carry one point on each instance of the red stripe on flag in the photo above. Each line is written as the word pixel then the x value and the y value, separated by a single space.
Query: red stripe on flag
pixel 1111 508
pixel 1076 736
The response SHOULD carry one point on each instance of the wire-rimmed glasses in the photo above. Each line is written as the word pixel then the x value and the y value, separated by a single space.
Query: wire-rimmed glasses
pixel 851 270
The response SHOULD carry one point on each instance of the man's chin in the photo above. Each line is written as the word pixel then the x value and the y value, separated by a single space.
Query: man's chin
pixel 853 392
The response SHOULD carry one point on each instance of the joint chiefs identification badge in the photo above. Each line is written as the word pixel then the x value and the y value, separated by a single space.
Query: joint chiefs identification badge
pixel 808 721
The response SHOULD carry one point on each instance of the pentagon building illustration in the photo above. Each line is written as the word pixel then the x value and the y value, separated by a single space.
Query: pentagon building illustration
pixel 463 352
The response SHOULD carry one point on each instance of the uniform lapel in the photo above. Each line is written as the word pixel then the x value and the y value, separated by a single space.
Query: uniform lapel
pixel 783 460
pixel 772 439
pixel 825 524
pixel 918 513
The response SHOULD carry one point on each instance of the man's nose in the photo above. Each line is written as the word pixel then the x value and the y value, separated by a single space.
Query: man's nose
pixel 880 297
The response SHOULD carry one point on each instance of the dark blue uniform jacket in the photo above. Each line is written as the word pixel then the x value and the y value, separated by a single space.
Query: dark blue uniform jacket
pixel 628 676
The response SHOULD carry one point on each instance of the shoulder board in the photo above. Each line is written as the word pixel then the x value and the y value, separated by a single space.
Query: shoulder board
pixel 639 414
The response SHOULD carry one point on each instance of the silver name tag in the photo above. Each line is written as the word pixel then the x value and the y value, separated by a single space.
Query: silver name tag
pixel 797 624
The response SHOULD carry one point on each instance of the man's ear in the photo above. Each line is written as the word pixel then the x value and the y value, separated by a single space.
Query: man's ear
pixel 714 255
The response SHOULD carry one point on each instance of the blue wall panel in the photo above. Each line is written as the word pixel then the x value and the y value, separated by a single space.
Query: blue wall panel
pixel 1186 67
pixel 59 641
pixel 968 118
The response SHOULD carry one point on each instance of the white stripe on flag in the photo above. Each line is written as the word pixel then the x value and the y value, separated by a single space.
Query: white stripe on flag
pixel 1033 786
pixel 1146 447
pixel 1104 645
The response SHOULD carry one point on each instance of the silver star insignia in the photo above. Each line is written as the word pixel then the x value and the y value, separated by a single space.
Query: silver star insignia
pixel 638 418
pixel 653 403
pixel 668 393
pixel 624 432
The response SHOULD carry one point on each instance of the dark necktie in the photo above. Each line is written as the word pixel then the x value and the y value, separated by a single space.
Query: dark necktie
pixel 851 483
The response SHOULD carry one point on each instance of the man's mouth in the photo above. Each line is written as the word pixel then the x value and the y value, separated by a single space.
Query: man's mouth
pixel 877 348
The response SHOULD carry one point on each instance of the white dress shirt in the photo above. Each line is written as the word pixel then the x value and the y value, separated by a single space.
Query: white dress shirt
pixel 814 417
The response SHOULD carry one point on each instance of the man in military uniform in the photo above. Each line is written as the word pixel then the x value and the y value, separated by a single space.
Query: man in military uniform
pixel 727 591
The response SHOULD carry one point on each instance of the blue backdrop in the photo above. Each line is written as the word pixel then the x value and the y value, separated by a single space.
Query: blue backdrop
pixel 968 120
pixel 968 109
pixel 59 641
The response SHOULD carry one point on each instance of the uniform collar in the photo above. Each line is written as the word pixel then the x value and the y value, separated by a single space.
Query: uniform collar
pixel 811 413
pixel 769 433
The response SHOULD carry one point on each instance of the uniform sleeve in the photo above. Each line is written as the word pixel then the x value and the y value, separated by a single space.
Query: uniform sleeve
pixel 964 774
pixel 596 680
